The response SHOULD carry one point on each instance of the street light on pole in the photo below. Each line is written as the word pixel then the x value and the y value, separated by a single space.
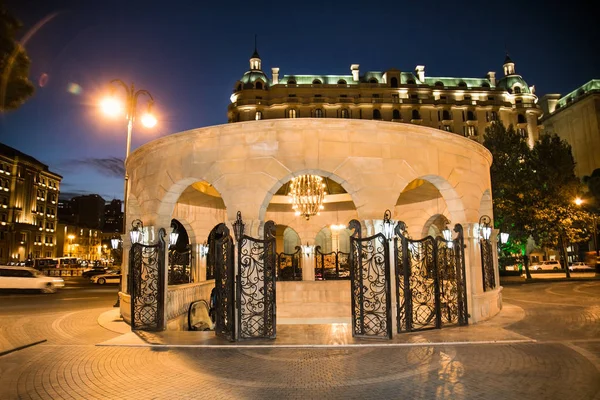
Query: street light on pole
pixel 113 107
pixel 579 201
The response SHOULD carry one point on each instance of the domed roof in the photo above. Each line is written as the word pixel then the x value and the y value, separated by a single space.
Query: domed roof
pixel 253 75
pixel 508 82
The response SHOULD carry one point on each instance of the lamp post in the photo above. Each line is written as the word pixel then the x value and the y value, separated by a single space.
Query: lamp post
pixel 579 201
pixel 113 107
pixel 71 237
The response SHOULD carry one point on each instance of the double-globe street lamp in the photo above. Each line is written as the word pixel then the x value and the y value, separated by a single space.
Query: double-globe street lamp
pixel 113 107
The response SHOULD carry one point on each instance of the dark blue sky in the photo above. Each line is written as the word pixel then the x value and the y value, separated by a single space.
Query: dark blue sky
pixel 189 54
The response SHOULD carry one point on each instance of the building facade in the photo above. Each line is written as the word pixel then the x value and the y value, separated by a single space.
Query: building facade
pixel 575 118
pixel 113 216
pixel 28 200
pixel 465 106
pixel 81 242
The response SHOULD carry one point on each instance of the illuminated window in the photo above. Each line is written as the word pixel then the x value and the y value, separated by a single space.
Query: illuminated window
pixel 318 113
pixel 344 113
pixel 447 128
pixel 517 90
pixel 470 130
pixel 291 113
pixel 258 115
pixel 522 132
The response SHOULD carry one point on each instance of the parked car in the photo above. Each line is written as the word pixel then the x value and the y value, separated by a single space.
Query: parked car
pixel 28 278
pixel 88 273
pixel 580 266
pixel 547 266
pixel 110 277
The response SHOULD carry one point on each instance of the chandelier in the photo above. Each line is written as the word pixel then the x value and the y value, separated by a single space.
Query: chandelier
pixel 307 193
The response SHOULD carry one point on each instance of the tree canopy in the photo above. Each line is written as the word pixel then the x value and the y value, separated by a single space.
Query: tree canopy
pixel 15 86
pixel 533 190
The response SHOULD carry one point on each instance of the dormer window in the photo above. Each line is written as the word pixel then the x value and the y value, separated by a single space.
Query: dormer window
pixel 485 85
pixel 439 84
pixel 341 82
pixel 373 80
pixel 258 85
pixel 239 87
pixel 394 82
pixel 411 82
pixel 291 82
pixel 517 89
pixel 316 82
pixel 462 84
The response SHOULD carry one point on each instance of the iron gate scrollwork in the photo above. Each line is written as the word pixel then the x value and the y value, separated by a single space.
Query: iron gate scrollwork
pixel 180 266
pixel 334 265
pixel 256 285
pixel 430 281
pixel 222 255
pixel 370 285
pixel 289 266
pixel 487 265
pixel 147 266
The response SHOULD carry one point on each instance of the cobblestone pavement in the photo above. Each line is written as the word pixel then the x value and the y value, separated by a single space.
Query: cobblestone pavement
pixel 561 362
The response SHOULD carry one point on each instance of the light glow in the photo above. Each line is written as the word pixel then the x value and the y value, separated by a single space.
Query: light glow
pixel 111 106
pixel 148 120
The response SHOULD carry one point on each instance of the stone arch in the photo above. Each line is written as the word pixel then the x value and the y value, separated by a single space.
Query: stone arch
pixel 434 225
pixel 172 194
pixel 452 205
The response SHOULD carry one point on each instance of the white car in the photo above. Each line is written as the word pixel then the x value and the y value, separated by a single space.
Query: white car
pixel 547 266
pixel 111 277
pixel 28 278
pixel 580 266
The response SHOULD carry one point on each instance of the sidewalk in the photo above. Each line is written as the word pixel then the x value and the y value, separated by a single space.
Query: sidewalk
pixel 323 335
pixel 548 277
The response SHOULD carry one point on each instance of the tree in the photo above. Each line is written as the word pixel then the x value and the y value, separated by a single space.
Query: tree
pixel 15 86
pixel 511 186
pixel 533 190
pixel 557 220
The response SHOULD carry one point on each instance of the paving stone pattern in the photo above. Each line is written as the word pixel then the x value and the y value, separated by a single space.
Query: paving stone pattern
pixel 562 361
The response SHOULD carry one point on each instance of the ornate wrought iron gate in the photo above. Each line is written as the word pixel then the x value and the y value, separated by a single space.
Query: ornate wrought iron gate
pixel 222 255
pixel 180 267
pixel 430 282
pixel 256 285
pixel 147 267
pixel 334 265
pixel 289 266
pixel 370 285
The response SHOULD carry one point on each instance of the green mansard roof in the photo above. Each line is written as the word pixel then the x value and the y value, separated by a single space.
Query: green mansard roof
pixel 592 85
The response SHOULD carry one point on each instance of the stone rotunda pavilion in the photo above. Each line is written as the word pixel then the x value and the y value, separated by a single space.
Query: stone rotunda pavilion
pixel 429 179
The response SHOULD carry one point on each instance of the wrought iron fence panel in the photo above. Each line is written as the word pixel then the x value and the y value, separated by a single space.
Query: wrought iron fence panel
pixel 256 286
pixel 147 266
pixel 461 275
pixel 487 265
pixel 223 260
pixel 343 265
pixel 289 267
pixel 448 283
pixel 179 267
pixel 417 283
pixel 333 265
pixel 370 286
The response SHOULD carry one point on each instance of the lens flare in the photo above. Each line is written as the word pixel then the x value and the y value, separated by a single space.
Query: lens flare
pixel 148 120
pixel 111 106
pixel 74 88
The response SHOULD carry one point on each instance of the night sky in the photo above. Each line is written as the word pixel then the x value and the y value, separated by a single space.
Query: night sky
pixel 189 54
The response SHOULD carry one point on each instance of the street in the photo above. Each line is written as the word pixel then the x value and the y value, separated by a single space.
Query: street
pixel 545 344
